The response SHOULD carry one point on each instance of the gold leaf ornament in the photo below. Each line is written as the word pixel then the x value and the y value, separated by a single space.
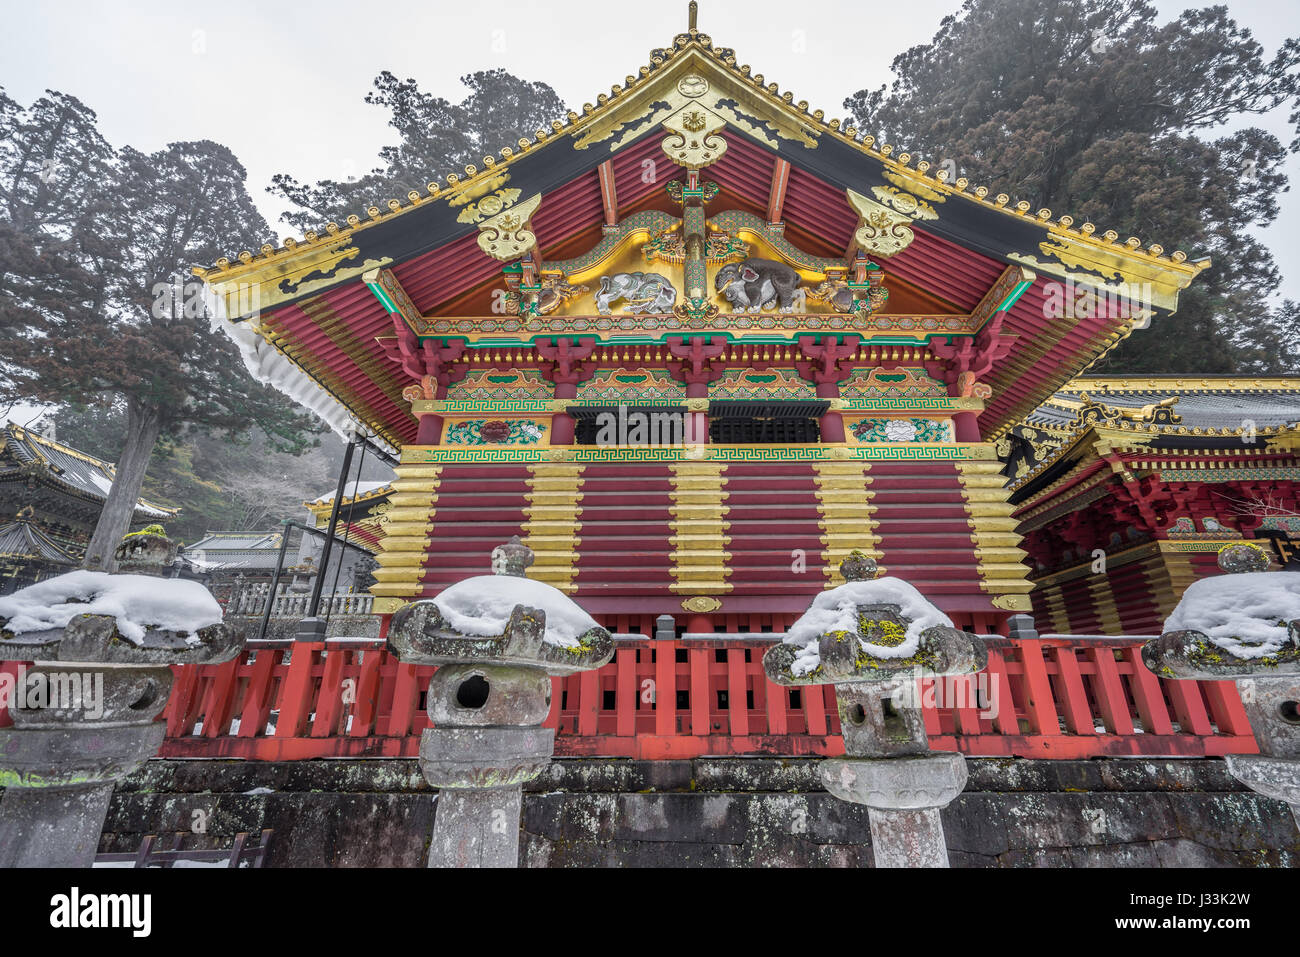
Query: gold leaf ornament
pixel 505 235
pixel 694 139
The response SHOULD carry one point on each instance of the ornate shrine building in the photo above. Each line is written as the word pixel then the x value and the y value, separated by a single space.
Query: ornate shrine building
pixel 1126 489
pixel 50 499
pixel 694 344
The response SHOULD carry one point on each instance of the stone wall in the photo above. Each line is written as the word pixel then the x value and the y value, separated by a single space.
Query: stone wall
pixel 720 812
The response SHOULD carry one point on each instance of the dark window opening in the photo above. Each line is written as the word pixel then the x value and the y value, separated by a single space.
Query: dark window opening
pixel 683 701
pixel 720 655
pixel 796 699
pixel 749 701
pixel 722 701
pixel 763 431
pixel 607 701
pixel 681 656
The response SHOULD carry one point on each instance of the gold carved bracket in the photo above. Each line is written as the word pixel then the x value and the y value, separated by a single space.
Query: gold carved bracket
pixel 694 139
pixel 885 223
pixel 503 223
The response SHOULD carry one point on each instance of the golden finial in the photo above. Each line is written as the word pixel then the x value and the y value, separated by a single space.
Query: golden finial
pixel 693 17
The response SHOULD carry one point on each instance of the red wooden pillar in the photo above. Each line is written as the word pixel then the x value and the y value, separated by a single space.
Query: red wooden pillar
pixel 366 707
pixel 966 427
pixel 625 692
pixel 665 687
pixel 814 704
pixel 406 695
pixel 1226 707
pixel 218 701
pixel 1111 699
pixel 562 425
pixel 1188 707
pixel 257 696
pixel 1001 702
pixel 181 703
pixel 832 423
pixel 297 691
pixel 737 710
pixel 1039 706
pixel 329 702
pixel 1146 694
pixel 699 693
pixel 429 431
pixel 1078 718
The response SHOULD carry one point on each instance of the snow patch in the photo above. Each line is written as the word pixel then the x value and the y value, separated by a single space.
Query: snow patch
pixel 482 605
pixel 837 610
pixel 1244 614
pixel 268 366
pixel 135 601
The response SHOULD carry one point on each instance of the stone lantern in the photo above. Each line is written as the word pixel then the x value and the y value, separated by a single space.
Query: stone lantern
pixel 1245 626
pixel 873 639
pixel 497 640
pixel 84 713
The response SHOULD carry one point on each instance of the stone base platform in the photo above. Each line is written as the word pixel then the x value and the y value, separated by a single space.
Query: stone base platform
pixel 745 812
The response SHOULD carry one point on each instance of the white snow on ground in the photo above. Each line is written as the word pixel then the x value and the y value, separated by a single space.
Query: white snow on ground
pixel 1244 614
pixel 136 601
pixel 482 606
pixel 837 610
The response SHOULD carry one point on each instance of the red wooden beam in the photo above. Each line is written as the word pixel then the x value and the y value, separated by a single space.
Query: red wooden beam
pixel 608 192
pixel 776 195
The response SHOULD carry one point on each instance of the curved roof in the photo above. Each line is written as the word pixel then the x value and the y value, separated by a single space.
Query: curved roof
pixel 1217 402
pixel 89 477
pixel 23 540
pixel 307 300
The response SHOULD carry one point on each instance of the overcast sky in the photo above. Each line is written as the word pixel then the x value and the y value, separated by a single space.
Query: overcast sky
pixel 283 83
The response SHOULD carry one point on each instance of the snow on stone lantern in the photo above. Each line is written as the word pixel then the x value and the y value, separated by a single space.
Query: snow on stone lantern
pixel 874 639
pixel 497 640
pixel 83 714
pixel 1244 626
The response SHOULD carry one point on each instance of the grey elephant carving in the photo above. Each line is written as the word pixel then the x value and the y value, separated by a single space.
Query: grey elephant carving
pixel 760 284
pixel 644 292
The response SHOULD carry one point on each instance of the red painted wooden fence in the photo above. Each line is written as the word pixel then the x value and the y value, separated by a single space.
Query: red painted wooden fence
pixel 1051 697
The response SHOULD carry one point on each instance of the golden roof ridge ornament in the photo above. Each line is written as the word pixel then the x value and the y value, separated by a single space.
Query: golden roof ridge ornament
pixel 318 251
pixel 885 227
pixel 506 235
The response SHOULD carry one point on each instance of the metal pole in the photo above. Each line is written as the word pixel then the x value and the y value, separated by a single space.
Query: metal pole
pixel 312 628
pixel 275 581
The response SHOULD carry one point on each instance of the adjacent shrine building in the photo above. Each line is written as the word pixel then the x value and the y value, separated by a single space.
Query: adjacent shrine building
pixel 696 342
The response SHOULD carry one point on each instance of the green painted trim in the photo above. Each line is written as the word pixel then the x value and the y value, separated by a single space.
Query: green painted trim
pixel 1014 295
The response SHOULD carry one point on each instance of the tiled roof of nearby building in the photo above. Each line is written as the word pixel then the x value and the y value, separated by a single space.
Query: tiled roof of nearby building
pixel 22 540
pixel 76 471
pixel 236 541
pixel 1202 403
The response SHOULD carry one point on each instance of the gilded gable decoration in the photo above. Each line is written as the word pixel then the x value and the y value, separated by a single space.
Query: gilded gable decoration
pixel 694 141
